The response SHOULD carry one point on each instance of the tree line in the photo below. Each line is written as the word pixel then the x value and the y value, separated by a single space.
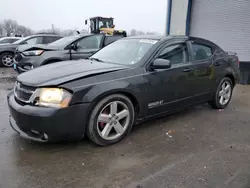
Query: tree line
pixel 10 27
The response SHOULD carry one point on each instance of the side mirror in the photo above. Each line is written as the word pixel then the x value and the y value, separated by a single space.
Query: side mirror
pixel 73 47
pixel 161 64
pixel 24 43
pixel 86 22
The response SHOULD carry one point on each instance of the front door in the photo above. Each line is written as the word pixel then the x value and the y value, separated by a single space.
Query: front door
pixel 170 88
pixel 87 46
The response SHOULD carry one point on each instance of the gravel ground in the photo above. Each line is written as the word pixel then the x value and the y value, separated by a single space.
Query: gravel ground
pixel 199 147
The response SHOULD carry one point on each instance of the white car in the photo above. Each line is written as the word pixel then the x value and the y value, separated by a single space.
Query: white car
pixel 9 40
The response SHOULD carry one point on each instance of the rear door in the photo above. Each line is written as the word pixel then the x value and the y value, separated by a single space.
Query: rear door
pixel 205 70
pixel 87 46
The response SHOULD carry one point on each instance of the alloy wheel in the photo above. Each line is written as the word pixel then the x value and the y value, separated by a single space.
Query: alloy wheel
pixel 225 93
pixel 113 120
pixel 7 60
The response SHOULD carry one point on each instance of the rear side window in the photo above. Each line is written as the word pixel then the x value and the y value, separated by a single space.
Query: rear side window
pixel 201 51
pixel 110 39
pixel 8 41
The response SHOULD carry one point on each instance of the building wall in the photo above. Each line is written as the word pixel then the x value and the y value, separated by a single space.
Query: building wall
pixel 178 17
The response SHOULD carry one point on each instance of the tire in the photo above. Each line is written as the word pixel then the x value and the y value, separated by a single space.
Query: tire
pixel 216 101
pixel 6 59
pixel 94 129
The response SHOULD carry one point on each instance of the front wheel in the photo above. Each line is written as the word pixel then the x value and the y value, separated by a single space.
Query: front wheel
pixel 223 94
pixel 111 120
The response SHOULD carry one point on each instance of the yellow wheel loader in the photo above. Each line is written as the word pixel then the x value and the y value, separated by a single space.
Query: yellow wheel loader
pixel 104 25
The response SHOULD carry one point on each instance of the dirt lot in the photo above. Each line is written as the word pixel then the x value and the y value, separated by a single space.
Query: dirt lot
pixel 203 148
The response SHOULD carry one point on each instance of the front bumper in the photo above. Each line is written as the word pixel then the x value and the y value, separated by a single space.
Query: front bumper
pixel 47 124
pixel 20 69
pixel 26 63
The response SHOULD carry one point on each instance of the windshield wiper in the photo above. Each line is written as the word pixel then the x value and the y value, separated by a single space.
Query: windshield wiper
pixel 95 59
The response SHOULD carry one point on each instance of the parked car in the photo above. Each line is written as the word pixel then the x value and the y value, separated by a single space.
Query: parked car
pixel 7 51
pixel 9 40
pixel 67 48
pixel 128 81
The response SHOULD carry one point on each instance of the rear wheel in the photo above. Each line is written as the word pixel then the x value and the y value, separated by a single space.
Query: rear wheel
pixel 111 120
pixel 6 59
pixel 223 94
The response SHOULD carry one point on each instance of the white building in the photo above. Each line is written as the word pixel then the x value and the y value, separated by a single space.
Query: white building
pixel 225 22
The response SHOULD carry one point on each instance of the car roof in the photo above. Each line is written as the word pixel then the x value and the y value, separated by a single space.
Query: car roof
pixel 158 37
pixel 83 34
pixel 11 37
pixel 153 37
pixel 162 37
pixel 78 35
pixel 44 34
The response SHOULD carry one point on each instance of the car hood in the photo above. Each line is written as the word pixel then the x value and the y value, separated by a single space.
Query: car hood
pixel 27 47
pixel 62 72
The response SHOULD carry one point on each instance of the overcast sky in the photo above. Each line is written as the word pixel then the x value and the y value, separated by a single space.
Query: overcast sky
pixel 145 15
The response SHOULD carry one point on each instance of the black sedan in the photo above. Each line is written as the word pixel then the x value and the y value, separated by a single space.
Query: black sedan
pixel 128 81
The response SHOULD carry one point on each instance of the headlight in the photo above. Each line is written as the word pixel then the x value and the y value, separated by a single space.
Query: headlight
pixel 33 53
pixel 53 97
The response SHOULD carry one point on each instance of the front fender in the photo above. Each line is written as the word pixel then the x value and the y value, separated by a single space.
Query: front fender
pixel 51 59
pixel 100 90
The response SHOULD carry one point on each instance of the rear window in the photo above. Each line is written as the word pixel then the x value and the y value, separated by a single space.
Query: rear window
pixel 6 41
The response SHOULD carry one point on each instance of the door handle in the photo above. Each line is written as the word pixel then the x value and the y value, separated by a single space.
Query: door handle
pixel 187 70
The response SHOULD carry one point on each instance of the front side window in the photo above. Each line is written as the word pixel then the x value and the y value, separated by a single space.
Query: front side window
pixel 201 52
pixel 90 42
pixel 49 39
pixel 35 40
pixel 125 51
pixel 176 54
pixel 64 41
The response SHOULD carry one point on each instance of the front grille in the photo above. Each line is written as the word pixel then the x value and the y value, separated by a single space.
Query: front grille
pixel 18 57
pixel 22 92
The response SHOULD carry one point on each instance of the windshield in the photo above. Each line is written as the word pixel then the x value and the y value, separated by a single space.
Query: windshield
pixel 63 41
pixel 125 51
pixel 105 23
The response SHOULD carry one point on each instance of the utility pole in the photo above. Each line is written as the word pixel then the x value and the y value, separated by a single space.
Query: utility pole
pixel 53 28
